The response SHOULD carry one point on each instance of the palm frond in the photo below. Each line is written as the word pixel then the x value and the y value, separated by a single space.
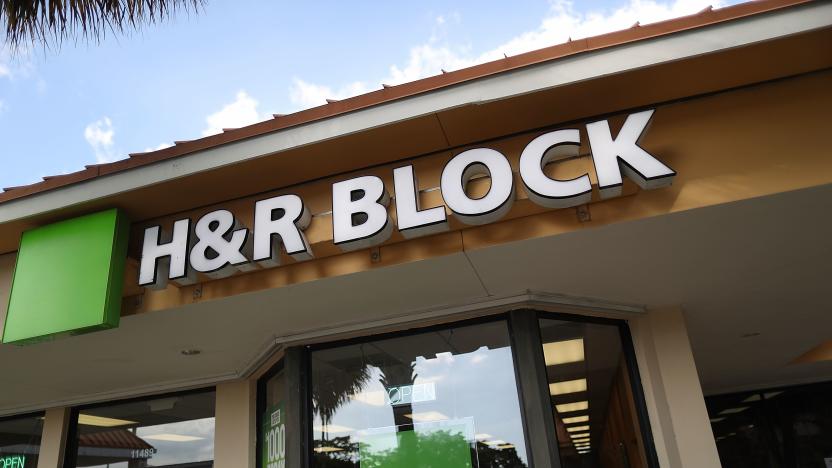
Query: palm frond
pixel 52 21
pixel 334 389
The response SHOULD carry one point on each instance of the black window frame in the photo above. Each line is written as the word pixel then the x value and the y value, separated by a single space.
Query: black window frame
pixel 34 414
pixel 71 446
pixel 309 349
pixel 31 414
pixel 628 348
pixel 773 419
pixel 296 364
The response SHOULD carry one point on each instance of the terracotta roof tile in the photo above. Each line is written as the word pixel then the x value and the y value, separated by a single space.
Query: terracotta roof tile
pixel 115 439
pixel 387 93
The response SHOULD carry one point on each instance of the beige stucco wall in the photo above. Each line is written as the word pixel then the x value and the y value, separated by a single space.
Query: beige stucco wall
pixel 235 433
pixel 675 403
pixel 53 441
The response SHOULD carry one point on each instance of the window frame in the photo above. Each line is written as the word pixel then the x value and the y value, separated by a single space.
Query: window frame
pixel 309 349
pixel 768 411
pixel 628 349
pixel 296 365
pixel 71 441
pixel 33 414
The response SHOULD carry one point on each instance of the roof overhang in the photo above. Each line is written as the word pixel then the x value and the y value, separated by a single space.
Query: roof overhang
pixel 757 48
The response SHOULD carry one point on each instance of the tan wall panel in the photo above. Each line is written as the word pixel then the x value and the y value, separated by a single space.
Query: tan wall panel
pixel 732 146
pixel 676 406
pixel 53 441
pixel 703 74
pixel 235 435
pixel 727 147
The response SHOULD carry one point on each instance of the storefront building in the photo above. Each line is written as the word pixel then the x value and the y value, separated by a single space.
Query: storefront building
pixel 612 252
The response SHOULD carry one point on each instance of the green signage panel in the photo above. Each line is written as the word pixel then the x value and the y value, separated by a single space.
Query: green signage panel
pixel 273 435
pixel 68 278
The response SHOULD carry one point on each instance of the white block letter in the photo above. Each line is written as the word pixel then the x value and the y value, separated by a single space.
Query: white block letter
pixel 611 156
pixel 280 220
pixel 165 261
pixel 552 193
pixel 220 241
pixel 464 166
pixel 413 222
pixel 359 213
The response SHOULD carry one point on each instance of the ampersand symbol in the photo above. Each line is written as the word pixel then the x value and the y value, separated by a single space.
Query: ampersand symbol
pixel 219 244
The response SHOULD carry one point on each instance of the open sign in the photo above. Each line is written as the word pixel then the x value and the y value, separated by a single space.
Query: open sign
pixel 407 394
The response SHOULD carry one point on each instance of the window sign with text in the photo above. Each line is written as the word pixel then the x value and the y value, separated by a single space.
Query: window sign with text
pixel 416 393
pixel 274 437
pixel 13 461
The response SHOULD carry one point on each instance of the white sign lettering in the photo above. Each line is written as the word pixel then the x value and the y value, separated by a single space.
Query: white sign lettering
pixel 359 213
pixel 412 221
pixel 280 220
pixel 407 394
pixel 622 153
pixel 169 257
pixel 217 244
pixel 551 193
pixel 467 165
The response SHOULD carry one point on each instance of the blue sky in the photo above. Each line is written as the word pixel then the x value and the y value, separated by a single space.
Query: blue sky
pixel 235 63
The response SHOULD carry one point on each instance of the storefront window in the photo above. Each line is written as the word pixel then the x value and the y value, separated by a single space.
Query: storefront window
pixel 592 399
pixel 20 441
pixel 175 430
pixel 445 398
pixel 775 428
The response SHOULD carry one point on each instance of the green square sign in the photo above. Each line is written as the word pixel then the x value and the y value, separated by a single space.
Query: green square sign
pixel 68 278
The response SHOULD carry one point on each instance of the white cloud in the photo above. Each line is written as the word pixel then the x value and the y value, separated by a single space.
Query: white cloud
pixel 158 147
pixel 5 62
pixel 241 112
pixel 100 136
pixel 562 22
pixel 426 60
pixel 453 17
pixel 304 94
pixel 15 64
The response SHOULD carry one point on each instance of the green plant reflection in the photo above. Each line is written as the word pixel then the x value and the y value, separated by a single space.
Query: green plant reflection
pixel 411 449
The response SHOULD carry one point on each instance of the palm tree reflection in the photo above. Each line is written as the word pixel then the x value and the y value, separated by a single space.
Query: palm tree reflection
pixel 337 383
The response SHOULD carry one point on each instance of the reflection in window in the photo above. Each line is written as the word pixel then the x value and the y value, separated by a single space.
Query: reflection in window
pixel 592 399
pixel 20 441
pixel 776 428
pixel 441 398
pixel 160 432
